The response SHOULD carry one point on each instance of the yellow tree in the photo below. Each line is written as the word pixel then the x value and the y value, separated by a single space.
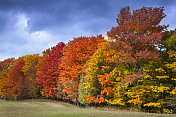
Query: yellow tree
pixel 30 73
pixel 104 73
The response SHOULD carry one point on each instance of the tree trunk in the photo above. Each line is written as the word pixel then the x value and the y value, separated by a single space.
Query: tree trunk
pixel 6 97
pixel 140 107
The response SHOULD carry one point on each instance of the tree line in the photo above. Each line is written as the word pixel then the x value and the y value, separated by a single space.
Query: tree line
pixel 135 68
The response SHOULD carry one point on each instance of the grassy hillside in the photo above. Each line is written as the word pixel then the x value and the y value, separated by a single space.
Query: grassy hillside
pixel 51 109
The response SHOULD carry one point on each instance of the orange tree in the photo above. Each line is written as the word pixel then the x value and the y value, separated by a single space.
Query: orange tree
pixel 75 55
pixel 4 75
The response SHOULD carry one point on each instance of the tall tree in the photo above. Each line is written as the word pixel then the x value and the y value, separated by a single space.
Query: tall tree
pixel 48 75
pixel 38 67
pixel 138 34
pixel 137 37
pixel 75 55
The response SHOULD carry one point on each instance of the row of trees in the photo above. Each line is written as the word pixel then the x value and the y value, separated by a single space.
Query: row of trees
pixel 135 68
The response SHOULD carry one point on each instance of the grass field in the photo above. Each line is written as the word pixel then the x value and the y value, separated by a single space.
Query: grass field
pixel 50 109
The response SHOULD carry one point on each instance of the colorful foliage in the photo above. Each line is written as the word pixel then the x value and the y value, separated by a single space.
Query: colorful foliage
pixel 4 75
pixel 137 35
pixel 75 55
pixel 18 84
pixel 48 75
pixel 135 68
pixel 104 75
pixel 30 73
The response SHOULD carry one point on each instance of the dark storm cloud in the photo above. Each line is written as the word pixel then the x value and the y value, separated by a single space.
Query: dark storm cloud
pixel 45 14
pixel 51 13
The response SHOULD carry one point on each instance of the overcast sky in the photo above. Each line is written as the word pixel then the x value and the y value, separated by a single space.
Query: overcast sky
pixel 31 26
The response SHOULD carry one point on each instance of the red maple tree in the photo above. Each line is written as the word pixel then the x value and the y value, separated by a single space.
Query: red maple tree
pixel 48 77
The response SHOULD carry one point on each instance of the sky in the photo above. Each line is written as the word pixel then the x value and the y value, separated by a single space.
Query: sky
pixel 32 26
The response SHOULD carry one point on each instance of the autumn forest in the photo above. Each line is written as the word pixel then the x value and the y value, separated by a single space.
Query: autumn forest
pixel 134 68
